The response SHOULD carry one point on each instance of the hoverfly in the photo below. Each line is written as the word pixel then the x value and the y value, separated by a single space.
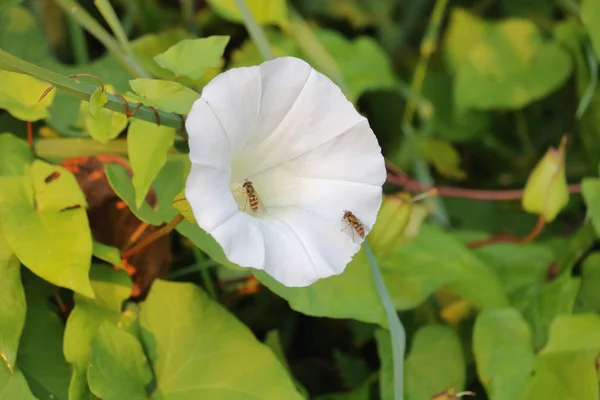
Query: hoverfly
pixel 252 196
pixel 355 223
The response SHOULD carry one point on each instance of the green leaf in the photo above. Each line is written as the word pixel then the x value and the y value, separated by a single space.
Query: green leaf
pixel 384 350
pixel 442 155
pixel 589 295
pixel 435 259
pixel 105 124
pixel 435 362
pixel 191 57
pixel 349 295
pixel 111 287
pixel 352 370
pixel 184 207
pixel 563 376
pixel 147 146
pixel 110 254
pixel 43 227
pixel 97 100
pixel 118 367
pixel 503 352
pixel 13 385
pixel 181 327
pixel 165 95
pixel 264 11
pixel 19 95
pixel 40 350
pixel 570 333
pixel 590 9
pixel 12 305
pixel 503 64
pixel 122 185
pixel 590 189
pixel 15 154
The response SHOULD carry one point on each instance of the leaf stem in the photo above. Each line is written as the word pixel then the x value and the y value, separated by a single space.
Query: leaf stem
pixel 166 229
pixel 398 177
pixel 83 91
pixel 397 333
pixel 530 237
pixel 110 16
pixel 256 33
pixel 204 264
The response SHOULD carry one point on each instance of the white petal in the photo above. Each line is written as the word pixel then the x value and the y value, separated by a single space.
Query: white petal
pixel 326 198
pixel 207 139
pixel 320 113
pixel 234 97
pixel 208 192
pixel 242 240
pixel 302 248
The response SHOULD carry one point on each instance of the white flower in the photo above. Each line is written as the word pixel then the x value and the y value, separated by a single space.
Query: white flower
pixel 309 155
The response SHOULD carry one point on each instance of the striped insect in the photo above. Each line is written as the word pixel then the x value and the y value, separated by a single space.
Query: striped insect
pixel 252 197
pixel 355 223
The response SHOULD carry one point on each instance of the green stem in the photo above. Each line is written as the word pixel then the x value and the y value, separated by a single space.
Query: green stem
pixel 83 91
pixel 312 47
pixel 588 94
pixel 397 333
pixel 78 41
pixel 75 11
pixel 110 16
pixel 256 33
pixel 206 279
pixel 428 45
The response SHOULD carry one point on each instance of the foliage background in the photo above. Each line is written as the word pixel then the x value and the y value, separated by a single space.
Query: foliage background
pixel 465 94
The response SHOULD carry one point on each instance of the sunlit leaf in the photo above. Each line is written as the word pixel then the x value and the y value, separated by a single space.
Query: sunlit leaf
pixel 147 146
pixel 191 57
pixel 503 352
pixel 105 124
pixel 19 95
pixel 40 350
pixel 15 154
pixel 574 333
pixel 504 64
pixel 184 207
pixel 118 367
pixel 175 318
pixel 546 191
pixel 12 305
pixel 264 11
pixel 111 287
pixel 13 385
pixel 97 100
pixel 435 362
pixel 442 155
pixel 44 219
pixel 110 254
pixel 165 95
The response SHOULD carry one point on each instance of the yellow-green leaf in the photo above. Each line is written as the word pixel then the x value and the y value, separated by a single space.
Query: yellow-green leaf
pixel 19 95
pixel 442 155
pixel 546 191
pixel 263 11
pixel 184 208
pixel 192 57
pixel 106 125
pixel 44 219
pixel 97 100
pixel 165 95
pixel 147 146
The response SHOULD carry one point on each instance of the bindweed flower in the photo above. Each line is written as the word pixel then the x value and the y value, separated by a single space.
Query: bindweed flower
pixel 278 155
